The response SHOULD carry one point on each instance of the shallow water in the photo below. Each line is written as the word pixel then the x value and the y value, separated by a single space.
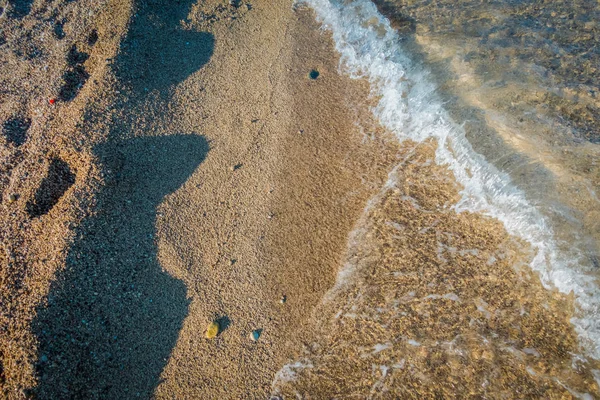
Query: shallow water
pixel 496 107
pixel 436 304
pixel 522 78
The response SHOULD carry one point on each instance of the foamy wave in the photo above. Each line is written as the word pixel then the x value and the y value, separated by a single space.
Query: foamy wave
pixel 409 107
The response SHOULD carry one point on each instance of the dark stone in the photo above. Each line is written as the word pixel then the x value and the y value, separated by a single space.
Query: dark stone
pixel 92 37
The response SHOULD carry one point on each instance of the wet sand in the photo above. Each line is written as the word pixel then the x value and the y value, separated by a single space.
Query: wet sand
pixel 436 304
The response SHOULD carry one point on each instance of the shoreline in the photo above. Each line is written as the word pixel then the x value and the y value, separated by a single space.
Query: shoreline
pixel 287 209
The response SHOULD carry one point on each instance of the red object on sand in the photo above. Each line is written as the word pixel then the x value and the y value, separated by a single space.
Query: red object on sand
pixel 52 101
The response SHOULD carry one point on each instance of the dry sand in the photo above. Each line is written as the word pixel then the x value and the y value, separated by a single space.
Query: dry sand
pixel 188 171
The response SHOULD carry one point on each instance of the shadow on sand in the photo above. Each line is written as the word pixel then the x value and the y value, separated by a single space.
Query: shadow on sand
pixel 158 53
pixel 113 315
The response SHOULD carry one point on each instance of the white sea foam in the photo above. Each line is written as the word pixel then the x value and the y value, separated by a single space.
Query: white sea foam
pixel 288 372
pixel 409 106
pixel 380 347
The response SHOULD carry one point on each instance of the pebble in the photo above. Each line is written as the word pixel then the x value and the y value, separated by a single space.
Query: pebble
pixel 283 299
pixel 255 334
pixel 212 330
pixel 12 198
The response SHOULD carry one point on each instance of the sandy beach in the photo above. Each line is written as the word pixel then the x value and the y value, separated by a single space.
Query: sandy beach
pixel 207 176
pixel 169 164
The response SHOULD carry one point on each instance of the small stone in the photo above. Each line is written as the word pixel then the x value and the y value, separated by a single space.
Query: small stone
pixel 255 334
pixel 232 261
pixel 313 74
pixel 44 358
pixel 283 299
pixel 12 198
pixel 212 330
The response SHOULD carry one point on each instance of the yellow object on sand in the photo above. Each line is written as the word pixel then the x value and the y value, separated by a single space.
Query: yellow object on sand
pixel 212 331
